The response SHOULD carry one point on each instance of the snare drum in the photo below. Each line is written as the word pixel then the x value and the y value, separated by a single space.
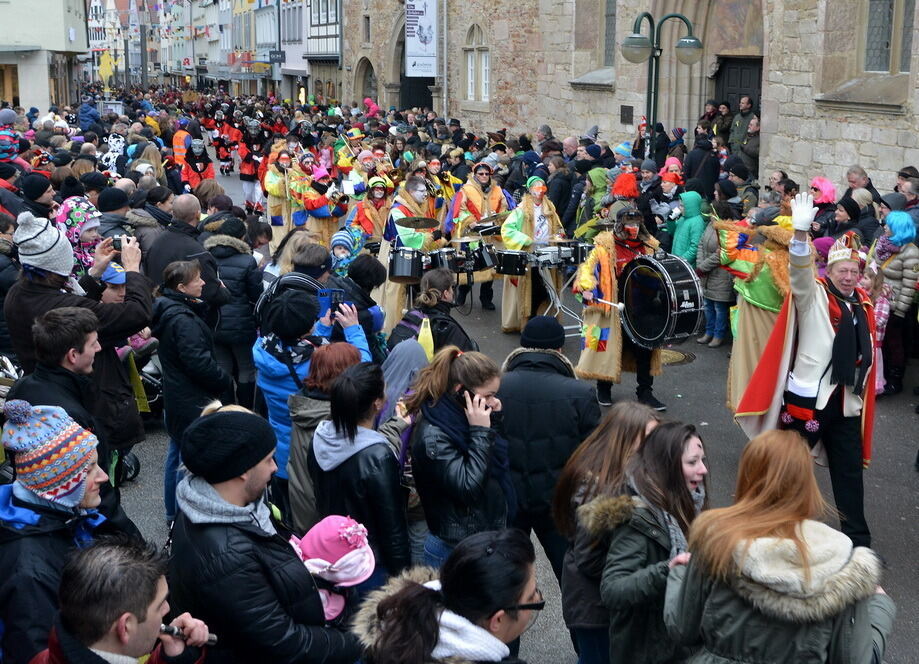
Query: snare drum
pixel 512 263
pixel 405 265
pixel 444 258
pixel 662 298
pixel 483 257
pixel 549 256
pixel 579 252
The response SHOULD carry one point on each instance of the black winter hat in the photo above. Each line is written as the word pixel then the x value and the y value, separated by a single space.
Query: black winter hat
pixel 848 204
pixel 7 170
pixel 94 181
pixel 224 445
pixel 34 185
pixel 543 332
pixel 71 187
pixel 112 198
pixel 62 158
pixel 234 227
pixel 740 171
pixel 291 315
pixel 728 188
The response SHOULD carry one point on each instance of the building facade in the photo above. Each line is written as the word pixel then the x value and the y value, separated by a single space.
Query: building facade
pixel 834 80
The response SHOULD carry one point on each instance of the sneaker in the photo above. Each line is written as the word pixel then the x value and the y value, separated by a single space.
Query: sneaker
pixel 647 398
pixel 488 305
pixel 704 339
pixel 715 342
pixel 605 394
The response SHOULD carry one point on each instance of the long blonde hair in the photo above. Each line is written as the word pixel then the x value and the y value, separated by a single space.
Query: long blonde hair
pixel 151 154
pixel 776 490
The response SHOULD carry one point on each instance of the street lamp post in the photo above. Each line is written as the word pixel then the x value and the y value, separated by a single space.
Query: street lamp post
pixel 637 48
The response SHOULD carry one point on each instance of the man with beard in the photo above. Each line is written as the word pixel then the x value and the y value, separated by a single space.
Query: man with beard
pixel 251 153
pixel 198 166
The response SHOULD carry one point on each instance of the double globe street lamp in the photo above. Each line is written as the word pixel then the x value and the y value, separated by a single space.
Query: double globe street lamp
pixel 638 48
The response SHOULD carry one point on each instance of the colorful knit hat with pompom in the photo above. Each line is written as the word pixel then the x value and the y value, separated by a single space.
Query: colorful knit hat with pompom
pixel 52 453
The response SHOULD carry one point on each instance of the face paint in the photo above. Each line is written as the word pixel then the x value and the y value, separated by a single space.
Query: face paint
pixel 284 162
pixel 632 231
pixel 538 190
pixel 420 195
pixel 293 146
pixel 378 192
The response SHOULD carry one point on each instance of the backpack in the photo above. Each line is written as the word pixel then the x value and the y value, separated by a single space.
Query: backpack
pixel 414 325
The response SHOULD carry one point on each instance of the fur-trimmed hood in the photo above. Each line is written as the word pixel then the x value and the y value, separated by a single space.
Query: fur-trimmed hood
pixel 218 240
pixel 139 217
pixel 772 578
pixel 367 625
pixel 605 513
pixel 555 356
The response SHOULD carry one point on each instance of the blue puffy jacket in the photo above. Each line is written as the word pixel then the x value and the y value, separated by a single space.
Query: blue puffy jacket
pixel 86 116
pixel 276 384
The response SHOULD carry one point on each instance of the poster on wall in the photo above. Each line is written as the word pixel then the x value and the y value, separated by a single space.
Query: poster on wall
pixel 421 38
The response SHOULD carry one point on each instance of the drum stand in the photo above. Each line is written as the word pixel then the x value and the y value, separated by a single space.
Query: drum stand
pixel 555 301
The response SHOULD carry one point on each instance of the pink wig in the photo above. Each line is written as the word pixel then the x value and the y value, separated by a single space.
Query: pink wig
pixel 668 162
pixel 827 190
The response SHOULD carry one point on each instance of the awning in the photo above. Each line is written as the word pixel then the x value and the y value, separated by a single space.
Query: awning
pixel 4 48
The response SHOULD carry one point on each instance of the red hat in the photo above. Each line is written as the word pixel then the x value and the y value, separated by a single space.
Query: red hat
pixel 675 178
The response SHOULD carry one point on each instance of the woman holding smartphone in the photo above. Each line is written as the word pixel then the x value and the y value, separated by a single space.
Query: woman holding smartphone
pixel 459 460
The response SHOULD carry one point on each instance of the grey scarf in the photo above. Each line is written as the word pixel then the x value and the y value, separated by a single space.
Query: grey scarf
pixel 665 519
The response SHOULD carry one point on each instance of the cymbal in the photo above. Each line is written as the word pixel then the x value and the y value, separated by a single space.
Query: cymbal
pixel 418 223
pixel 486 229
pixel 492 218
pixel 561 240
pixel 468 238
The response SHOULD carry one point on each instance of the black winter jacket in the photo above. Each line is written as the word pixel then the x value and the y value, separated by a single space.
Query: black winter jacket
pixel 445 330
pixel 559 190
pixel 241 277
pixel 547 414
pixel 569 219
pixel 701 163
pixel 9 273
pixel 27 300
pixel 366 306
pixel 253 590
pixel 365 486
pixel 459 495
pixel 180 243
pixel 34 544
pixel 191 376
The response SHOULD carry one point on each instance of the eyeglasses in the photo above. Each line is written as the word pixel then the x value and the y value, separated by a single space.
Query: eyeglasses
pixel 538 605
pixel 815 188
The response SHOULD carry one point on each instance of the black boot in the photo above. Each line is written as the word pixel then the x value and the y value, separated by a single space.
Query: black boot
pixel 486 295
pixel 245 395
pixel 894 383
pixel 461 292
pixel 646 396
pixel 604 393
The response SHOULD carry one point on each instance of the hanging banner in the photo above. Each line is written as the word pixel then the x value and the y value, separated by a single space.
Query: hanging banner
pixel 421 38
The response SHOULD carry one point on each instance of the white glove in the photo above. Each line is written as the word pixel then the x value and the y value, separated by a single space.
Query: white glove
pixel 803 212
pixel 677 212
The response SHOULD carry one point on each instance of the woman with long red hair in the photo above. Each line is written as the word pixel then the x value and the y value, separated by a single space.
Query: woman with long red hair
pixel 767 582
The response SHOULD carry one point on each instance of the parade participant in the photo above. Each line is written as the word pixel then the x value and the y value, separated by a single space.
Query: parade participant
pixel 792 588
pixel 347 148
pixel 817 373
pixel 47 512
pixel 410 202
pixel 479 197
pixel 181 141
pixel 443 186
pixel 284 211
pixel 532 224
pixel 251 152
pixel 370 214
pixel 228 139
pixel 606 351
pixel 198 166
pixel 322 205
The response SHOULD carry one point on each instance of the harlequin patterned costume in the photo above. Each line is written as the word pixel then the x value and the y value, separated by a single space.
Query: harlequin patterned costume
pixel 603 355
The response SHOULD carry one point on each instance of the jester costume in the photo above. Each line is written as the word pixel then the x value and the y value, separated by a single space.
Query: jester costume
pixel 604 355
pixel 321 214
pixel 817 375
pixel 251 153
pixel 284 210
pixel 761 280
pixel 370 214
pixel 525 296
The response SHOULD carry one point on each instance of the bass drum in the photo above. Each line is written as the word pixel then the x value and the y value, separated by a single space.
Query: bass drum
pixel 662 300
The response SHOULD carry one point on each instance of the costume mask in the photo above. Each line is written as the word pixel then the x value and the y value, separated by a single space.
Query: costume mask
pixel 197 147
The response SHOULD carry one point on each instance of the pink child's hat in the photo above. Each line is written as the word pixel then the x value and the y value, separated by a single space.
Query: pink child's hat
pixel 336 549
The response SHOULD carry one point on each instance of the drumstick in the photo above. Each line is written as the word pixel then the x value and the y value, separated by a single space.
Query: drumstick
pixel 618 305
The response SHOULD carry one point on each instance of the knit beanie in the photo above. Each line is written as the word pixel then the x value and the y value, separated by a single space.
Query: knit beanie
pixel 224 445
pixel 342 239
pixel 649 165
pixel 7 170
pixel 291 315
pixel 594 150
pixel 112 198
pixel 34 185
pixel 848 204
pixel 741 171
pixel 71 187
pixel 7 117
pixel 53 453
pixel 94 181
pixel 728 188
pixel 624 149
pixel 678 133
pixel 893 200
pixel 534 179
pixel 42 245
pixel 234 227
pixel 543 332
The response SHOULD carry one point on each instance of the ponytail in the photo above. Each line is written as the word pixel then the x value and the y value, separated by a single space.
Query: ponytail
pixel 411 617
pixel 449 368
pixel 433 285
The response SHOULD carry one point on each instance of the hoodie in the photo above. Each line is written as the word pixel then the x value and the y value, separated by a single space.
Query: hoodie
pixel 332 448
pixel 200 502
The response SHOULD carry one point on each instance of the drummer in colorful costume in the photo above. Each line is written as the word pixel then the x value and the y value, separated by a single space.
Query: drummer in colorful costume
pixel 529 226
pixel 411 201
pixel 370 214
pixel 480 197
pixel 816 374
pixel 606 352
pixel 322 213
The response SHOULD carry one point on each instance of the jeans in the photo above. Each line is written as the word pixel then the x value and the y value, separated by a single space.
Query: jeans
pixel 171 477
pixel 593 644
pixel 436 551
pixel 716 318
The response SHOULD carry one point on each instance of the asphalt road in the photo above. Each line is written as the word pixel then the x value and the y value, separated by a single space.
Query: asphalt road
pixel 694 392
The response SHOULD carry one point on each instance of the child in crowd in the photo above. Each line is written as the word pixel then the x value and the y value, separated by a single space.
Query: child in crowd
pixel 345 246
pixel 873 283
